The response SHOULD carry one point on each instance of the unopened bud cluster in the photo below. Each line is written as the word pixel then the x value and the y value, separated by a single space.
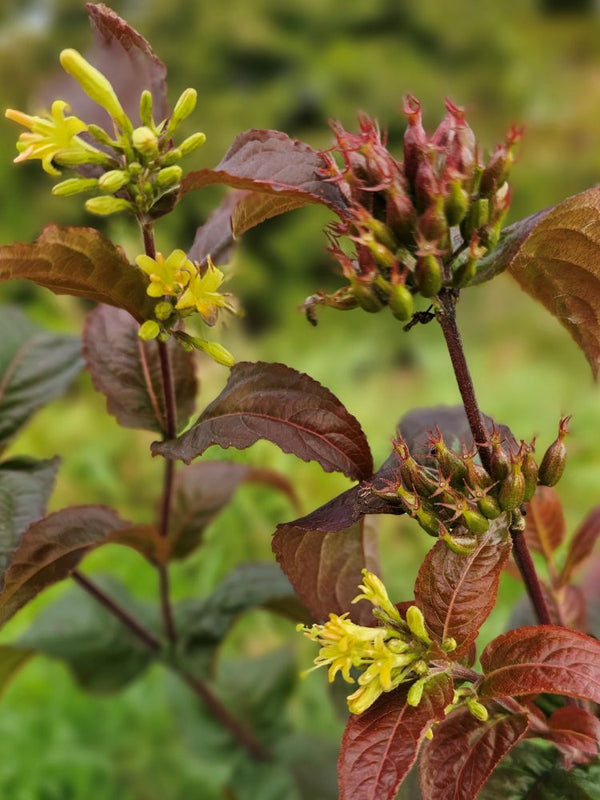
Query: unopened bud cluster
pixel 136 166
pixel 395 652
pixel 454 498
pixel 418 224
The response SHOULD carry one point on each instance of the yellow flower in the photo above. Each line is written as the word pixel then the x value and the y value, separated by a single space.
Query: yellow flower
pixel 201 294
pixel 167 276
pixel 375 592
pixel 49 136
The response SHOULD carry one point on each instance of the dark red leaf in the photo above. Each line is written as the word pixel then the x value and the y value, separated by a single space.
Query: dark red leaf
pixel 457 592
pixel 324 567
pixel 201 491
pixel 146 539
pixel 128 371
pixel 463 753
pixel 541 658
pixel 545 522
pixel 575 729
pixel 582 544
pixel 215 238
pixel 566 605
pixel 288 408
pixel 380 746
pixel 126 59
pixel 554 257
pixel 282 174
pixel 81 262
pixel 50 549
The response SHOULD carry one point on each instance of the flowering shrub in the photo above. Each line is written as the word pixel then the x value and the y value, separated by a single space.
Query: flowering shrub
pixel 411 235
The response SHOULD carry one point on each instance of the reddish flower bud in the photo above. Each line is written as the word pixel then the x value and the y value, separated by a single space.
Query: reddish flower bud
pixel 415 138
pixel 530 471
pixel 555 457
pixel 432 224
pixel 512 488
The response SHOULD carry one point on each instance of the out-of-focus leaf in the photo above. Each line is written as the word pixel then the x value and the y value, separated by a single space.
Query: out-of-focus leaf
pixel 144 538
pixel 575 729
pixel 81 262
pixel 281 173
pixel 457 592
pixel 215 238
pixel 452 422
pixel 12 659
pixel 286 407
pixel 50 549
pixel 532 772
pixel 25 487
pixel 545 521
pixel 101 652
pixel 126 59
pixel 464 751
pixel 325 567
pixel 267 780
pixel 312 762
pixel 203 623
pixel 380 746
pixel 201 491
pixel 36 366
pixel 566 605
pixel 555 257
pixel 128 371
pixel 582 544
pixel 541 658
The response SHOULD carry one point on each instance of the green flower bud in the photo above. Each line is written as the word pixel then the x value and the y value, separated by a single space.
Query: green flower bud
pixel 76 157
pixel 113 180
pixel 146 105
pixel 477 709
pixel 100 135
pixel 135 169
pixel 428 521
pixel 416 622
pixel 530 471
pixel 383 256
pixel 428 275
pixel 456 203
pixel 475 521
pixel 149 330
pixel 489 507
pixel 169 177
pixel 73 186
pixel 145 141
pixel 216 351
pixel 183 108
pixel 400 301
pixel 415 693
pixel 462 546
pixel 163 310
pixel 95 85
pixel 104 206
pixel 512 489
pixel 366 297
pixel 191 143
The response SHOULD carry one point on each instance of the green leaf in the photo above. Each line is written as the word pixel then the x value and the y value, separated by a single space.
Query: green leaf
pixel 25 487
pixel 312 761
pixel 267 781
pixel 128 371
pixel 80 262
pixel 36 366
pixel 101 652
pixel 532 772
pixel 204 623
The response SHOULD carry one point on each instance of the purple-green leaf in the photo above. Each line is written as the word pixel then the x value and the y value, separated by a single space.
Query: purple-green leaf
pixel 288 408
pixel 128 371
pixel 80 262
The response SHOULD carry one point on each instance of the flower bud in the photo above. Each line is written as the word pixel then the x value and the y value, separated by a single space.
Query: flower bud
pixel 555 457
pixel 191 143
pixel 95 85
pixel 512 489
pixel 100 135
pixel 73 186
pixel 146 105
pixel 104 206
pixel 381 254
pixel 415 693
pixel 477 709
pixel 183 108
pixel 169 177
pixel 530 471
pixel 163 310
pixel 215 350
pixel 145 141
pixel 400 301
pixel 475 521
pixel 428 521
pixel 489 507
pixel 463 546
pixel 113 180
pixel 416 622
pixel 366 297
pixel 456 204
pixel 149 330
pixel 428 275
pixel 432 223
pixel 415 138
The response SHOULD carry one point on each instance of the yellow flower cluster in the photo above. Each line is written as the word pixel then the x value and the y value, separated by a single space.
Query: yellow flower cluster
pixel 387 655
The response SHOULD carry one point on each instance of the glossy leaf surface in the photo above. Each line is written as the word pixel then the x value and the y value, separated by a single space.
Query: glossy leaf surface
pixel 380 746
pixel 464 751
pixel 128 372
pixel 286 407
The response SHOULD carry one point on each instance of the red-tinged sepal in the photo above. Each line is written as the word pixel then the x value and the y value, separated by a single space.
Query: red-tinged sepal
pixel 541 658
pixel 380 746
pixel 464 751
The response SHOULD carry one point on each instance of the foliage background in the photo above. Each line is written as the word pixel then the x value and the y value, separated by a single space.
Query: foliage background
pixel 293 65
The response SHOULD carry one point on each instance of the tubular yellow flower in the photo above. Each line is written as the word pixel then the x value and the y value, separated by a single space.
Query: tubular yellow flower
pixel 201 294
pixel 375 592
pixel 49 136
pixel 167 276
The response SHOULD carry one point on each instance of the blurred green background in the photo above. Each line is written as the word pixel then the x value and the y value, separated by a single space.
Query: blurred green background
pixel 294 65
